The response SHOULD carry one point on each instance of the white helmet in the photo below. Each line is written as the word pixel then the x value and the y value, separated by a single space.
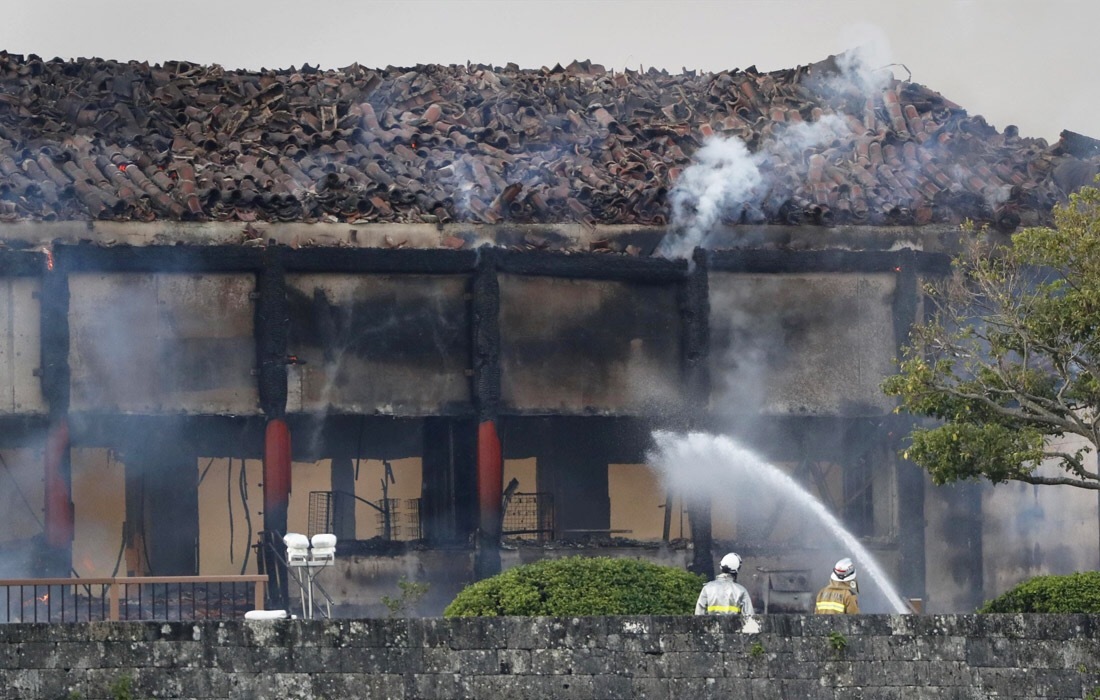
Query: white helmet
pixel 844 570
pixel 730 563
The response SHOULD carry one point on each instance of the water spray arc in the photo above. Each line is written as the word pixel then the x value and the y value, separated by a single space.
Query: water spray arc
pixel 698 464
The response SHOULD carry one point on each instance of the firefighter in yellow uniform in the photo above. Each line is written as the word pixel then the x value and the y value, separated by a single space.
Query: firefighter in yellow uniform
pixel 841 596
pixel 723 595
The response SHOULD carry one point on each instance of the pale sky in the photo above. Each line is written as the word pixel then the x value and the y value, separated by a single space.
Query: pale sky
pixel 1032 63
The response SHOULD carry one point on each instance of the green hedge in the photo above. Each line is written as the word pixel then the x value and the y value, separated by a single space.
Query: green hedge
pixel 581 586
pixel 1074 593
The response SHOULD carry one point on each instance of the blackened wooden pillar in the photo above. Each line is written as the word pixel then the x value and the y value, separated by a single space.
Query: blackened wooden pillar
pixel 57 463
pixel 912 578
pixel 486 396
pixel 272 327
pixel 695 317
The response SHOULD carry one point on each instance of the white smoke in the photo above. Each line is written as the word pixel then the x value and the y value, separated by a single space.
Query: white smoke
pixel 868 66
pixel 724 174
pixel 725 177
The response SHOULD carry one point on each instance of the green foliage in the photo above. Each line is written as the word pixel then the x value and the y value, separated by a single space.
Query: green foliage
pixel 756 650
pixel 838 642
pixel 411 593
pixel 581 586
pixel 123 688
pixel 1009 362
pixel 1074 593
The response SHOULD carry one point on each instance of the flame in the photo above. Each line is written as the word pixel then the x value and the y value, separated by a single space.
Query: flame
pixel 49 258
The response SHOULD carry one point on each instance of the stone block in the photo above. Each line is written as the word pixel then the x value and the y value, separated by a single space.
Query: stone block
pixel 693 664
pixel 1006 682
pixel 230 659
pixel 38 655
pixel 436 685
pixel 708 641
pixel 128 654
pixel 21 684
pixel 480 632
pixel 340 686
pixel 281 685
pixel 531 633
pixel 58 682
pixel 514 661
pixel 381 659
pixel 379 633
pixel 992 652
pixel 468 661
pixel 649 688
pixel 309 659
pixel 782 625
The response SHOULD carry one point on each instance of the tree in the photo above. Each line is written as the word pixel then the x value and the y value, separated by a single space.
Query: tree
pixel 1009 358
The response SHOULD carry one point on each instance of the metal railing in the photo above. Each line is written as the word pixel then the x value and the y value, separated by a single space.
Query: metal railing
pixel 130 598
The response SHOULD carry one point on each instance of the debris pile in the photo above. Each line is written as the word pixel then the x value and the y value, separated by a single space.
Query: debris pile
pixel 100 139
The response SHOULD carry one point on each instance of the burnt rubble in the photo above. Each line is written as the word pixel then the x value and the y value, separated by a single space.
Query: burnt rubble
pixel 100 139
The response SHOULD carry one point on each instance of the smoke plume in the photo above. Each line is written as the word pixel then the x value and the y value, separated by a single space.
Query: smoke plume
pixel 726 183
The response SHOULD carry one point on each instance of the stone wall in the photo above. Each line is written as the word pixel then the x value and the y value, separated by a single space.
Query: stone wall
pixel 869 656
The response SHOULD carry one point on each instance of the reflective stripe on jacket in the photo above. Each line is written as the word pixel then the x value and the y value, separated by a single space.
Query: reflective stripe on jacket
pixel 838 598
pixel 724 596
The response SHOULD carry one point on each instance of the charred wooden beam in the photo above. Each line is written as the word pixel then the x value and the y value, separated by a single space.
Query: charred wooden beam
pixel 1078 145
pixel 593 266
pixel 239 436
pixel 87 258
pixel 827 261
pixel 380 260
pixel 22 263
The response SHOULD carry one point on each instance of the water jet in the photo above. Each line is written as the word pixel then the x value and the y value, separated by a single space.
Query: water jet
pixel 695 464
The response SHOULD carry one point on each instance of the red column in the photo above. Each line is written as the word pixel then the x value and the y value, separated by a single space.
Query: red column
pixel 58 480
pixel 490 484
pixel 276 475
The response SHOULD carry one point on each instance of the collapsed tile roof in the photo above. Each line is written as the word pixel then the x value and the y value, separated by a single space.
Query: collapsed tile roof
pixel 100 139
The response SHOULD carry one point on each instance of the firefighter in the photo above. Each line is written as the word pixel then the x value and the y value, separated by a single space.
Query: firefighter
pixel 841 596
pixel 723 595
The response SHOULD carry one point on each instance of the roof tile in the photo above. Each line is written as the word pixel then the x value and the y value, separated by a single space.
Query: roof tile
pixel 102 139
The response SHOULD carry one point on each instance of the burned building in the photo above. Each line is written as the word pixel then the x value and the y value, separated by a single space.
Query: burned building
pixel 440 308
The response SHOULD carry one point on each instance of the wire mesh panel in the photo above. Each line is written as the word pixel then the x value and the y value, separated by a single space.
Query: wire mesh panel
pixel 321 512
pixel 388 527
pixel 411 517
pixel 394 518
pixel 530 514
